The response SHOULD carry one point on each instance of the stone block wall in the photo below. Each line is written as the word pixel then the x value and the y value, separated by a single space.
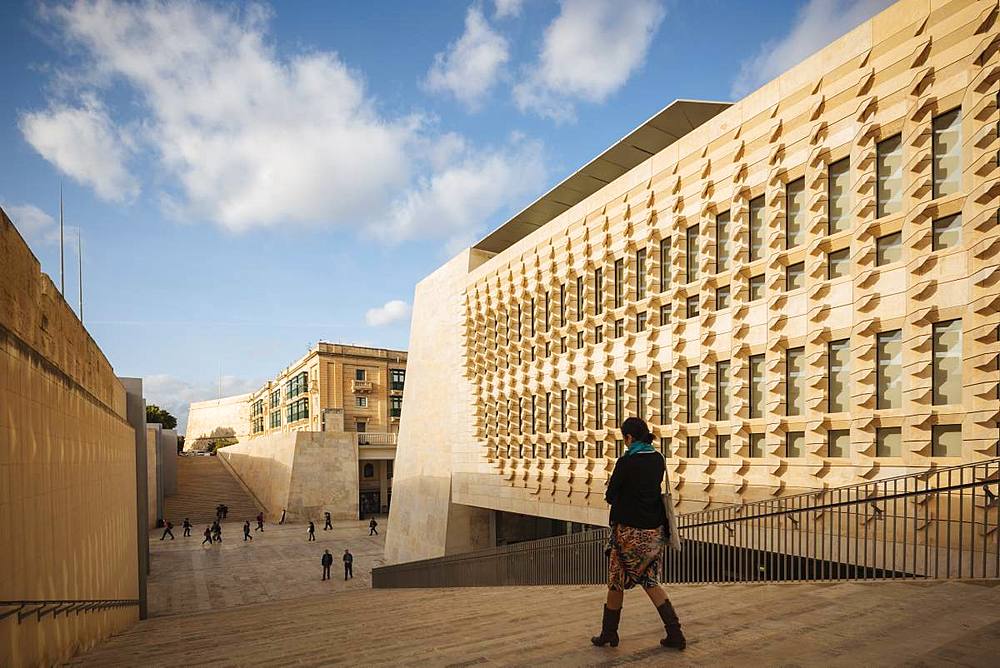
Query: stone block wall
pixel 217 418
pixel 67 468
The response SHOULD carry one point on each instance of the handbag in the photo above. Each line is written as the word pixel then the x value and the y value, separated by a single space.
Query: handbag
pixel 673 531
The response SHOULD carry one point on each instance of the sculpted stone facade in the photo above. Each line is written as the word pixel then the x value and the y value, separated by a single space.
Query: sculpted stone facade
pixel 802 292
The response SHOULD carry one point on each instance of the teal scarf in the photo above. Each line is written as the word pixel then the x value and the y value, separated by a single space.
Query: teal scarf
pixel 637 447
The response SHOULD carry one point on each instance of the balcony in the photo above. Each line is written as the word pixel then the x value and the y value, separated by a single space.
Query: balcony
pixel 375 438
pixel 396 386
pixel 361 386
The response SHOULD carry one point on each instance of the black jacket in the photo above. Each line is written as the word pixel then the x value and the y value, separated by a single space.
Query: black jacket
pixel 327 560
pixel 634 491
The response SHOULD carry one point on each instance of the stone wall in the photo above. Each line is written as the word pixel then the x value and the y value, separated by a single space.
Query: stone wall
pixel 67 469
pixel 304 473
pixel 225 417
pixel 168 457
pixel 154 490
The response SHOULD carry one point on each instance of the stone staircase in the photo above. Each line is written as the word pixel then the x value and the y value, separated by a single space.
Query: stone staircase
pixel 848 624
pixel 202 484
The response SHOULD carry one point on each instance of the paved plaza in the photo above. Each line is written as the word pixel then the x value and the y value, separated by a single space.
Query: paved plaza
pixel 279 564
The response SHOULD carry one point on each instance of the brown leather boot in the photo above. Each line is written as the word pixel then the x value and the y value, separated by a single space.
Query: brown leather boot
pixel 675 638
pixel 609 628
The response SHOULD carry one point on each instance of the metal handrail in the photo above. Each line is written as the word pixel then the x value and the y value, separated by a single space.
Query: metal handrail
pixel 941 523
pixel 55 607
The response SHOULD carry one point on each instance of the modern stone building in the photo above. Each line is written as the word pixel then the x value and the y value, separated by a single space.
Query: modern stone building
pixel 217 420
pixel 797 291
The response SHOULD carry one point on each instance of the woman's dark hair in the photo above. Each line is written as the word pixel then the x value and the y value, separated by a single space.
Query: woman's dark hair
pixel 637 429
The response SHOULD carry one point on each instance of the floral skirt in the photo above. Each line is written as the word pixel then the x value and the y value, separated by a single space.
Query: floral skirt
pixel 634 557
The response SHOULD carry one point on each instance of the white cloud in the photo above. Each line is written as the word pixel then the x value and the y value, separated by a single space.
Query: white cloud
pixel 390 312
pixel 817 23
pixel 507 8
pixel 588 52
pixel 38 227
pixel 471 65
pixel 237 134
pixel 175 394
pixel 83 142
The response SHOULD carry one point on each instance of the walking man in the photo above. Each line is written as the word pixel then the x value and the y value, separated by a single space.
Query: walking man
pixel 167 531
pixel 246 531
pixel 312 531
pixel 208 536
pixel 372 531
pixel 218 512
pixel 329 524
pixel 348 565
pixel 217 532
pixel 327 561
pixel 260 522
pixel 187 527
pixel 225 510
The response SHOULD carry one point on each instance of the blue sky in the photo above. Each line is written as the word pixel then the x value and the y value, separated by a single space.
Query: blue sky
pixel 251 179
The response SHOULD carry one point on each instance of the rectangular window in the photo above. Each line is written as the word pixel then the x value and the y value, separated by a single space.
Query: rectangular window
pixel 599 449
pixel 579 339
pixel 664 446
pixel 756 386
pixel 548 349
pixel 889 249
pixel 795 444
pixel 795 276
pixel 396 407
pixel 947 365
pixel 838 263
pixel 664 397
pixel 722 390
pixel 619 402
pixel 534 414
pixel 598 291
pixel 888 442
pixel 562 410
pixel 640 322
pixel 579 298
pixel 640 274
pixel 757 446
pixel 562 305
pixel 547 313
pixel 756 228
pixel 579 408
pixel 692 447
pixel 581 449
pixel 562 344
pixel 531 316
pixel 691 305
pixel 947 150
pixel 691 253
pixel 838 375
pixel 795 213
pixel 619 283
pixel 756 287
pixel 692 394
pixel 795 381
pixel 664 314
pixel 722 242
pixel 397 379
pixel 947 232
pixel 299 384
pixel 599 406
pixel 722 448
pixel 276 398
pixel 838 443
pixel 889 381
pixel 889 174
pixel 839 197
pixel 297 410
pixel 360 374
pixel 275 419
pixel 520 323
pixel 722 298
pixel 640 397
pixel 361 402
pixel 548 412
pixel 946 440
pixel 664 264
pixel 619 328
pixel 599 334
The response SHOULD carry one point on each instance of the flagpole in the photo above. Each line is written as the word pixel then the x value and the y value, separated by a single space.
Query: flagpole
pixel 79 248
pixel 62 260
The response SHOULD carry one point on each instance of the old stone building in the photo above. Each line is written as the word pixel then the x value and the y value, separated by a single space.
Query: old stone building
pixel 797 291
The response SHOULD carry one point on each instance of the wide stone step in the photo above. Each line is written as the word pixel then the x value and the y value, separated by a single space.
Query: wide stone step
pixel 202 484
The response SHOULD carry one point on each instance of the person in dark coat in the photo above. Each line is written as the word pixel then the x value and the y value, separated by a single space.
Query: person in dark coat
pixel 348 565
pixel 217 532
pixel 187 527
pixel 246 531
pixel 327 562
pixel 167 531
pixel 312 531
pixel 208 536
pixel 225 511
pixel 329 524
pixel 638 534
pixel 372 531
pixel 260 522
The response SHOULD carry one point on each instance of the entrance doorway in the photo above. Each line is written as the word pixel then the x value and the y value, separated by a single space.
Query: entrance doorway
pixel 369 504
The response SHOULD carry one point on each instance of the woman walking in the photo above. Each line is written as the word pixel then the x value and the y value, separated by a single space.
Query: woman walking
pixel 639 532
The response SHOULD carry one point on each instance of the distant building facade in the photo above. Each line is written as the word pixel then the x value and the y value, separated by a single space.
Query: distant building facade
pixel 796 291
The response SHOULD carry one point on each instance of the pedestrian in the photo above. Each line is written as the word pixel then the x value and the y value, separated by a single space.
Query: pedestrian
pixel 372 531
pixel 329 524
pixel 260 522
pixel 167 531
pixel 327 561
pixel 640 529
pixel 208 536
pixel 348 565
pixel 225 511
pixel 282 520
pixel 187 527
pixel 218 512
pixel 217 532
pixel 246 531
pixel 312 531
